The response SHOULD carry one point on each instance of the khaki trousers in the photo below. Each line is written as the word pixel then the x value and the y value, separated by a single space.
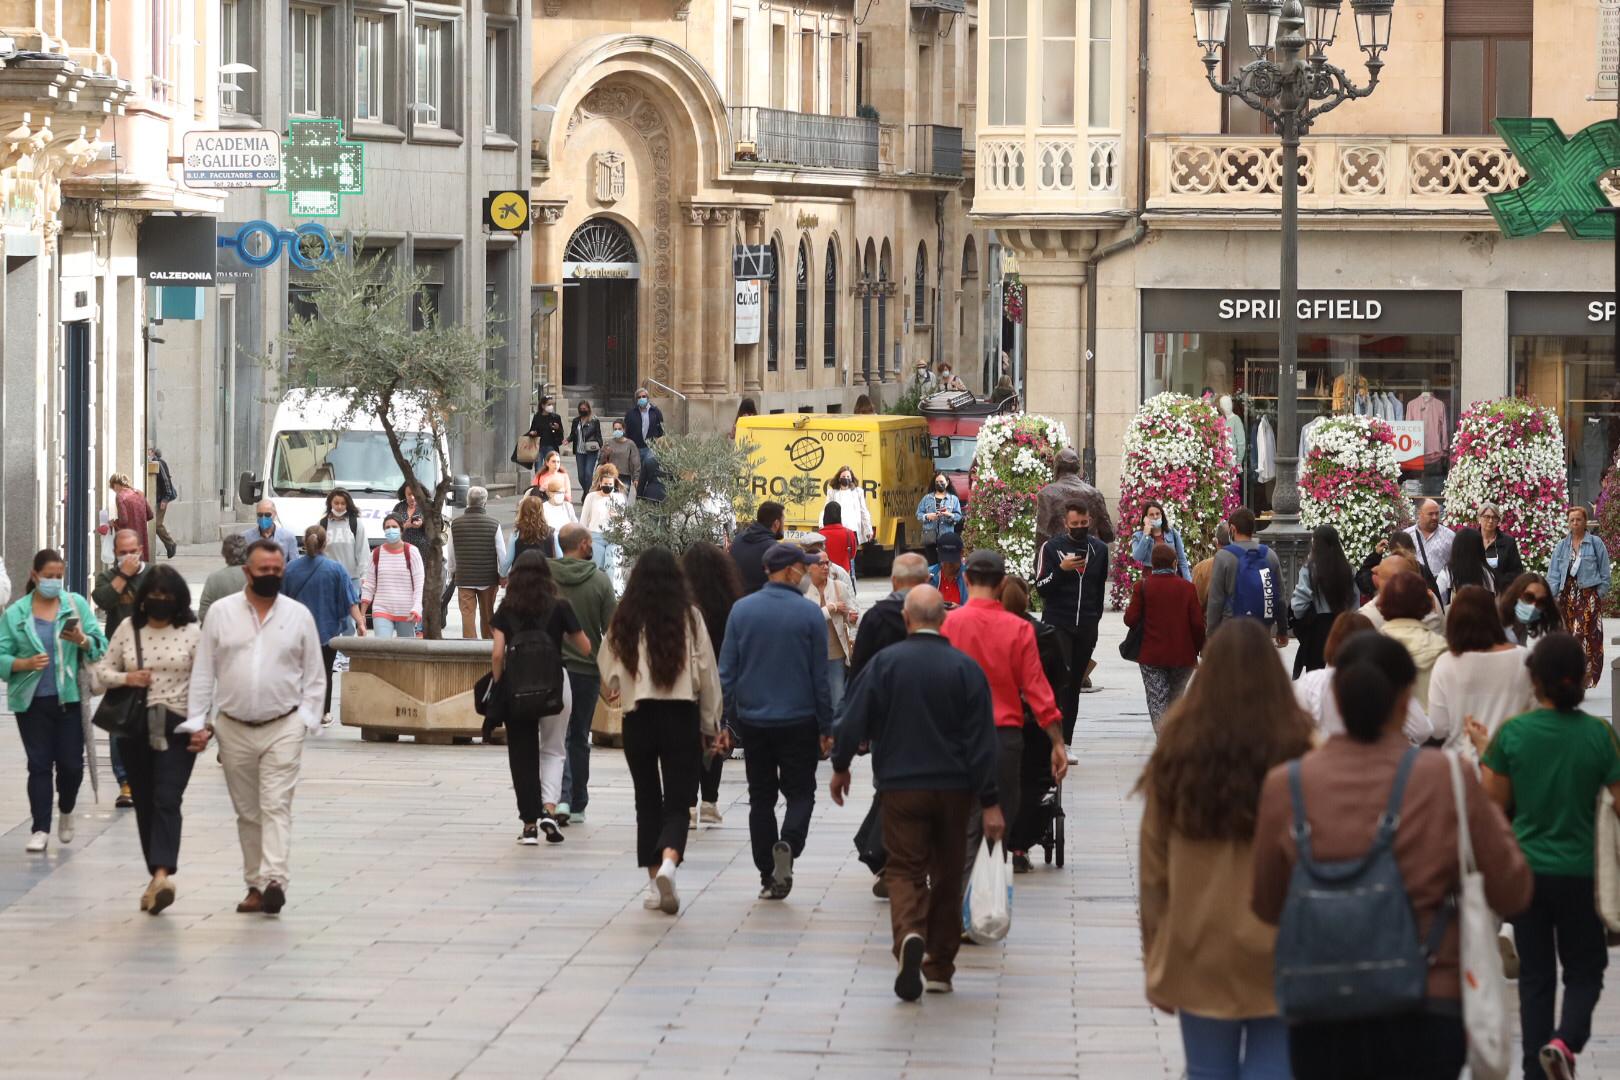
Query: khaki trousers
pixel 479 602
pixel 261 769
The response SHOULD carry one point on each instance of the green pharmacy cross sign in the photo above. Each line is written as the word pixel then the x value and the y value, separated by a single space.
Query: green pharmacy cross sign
pixel 319 167
pixel 1561 184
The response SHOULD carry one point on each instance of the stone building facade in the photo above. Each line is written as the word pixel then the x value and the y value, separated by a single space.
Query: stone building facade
pixel 1163 266
pixel 672 138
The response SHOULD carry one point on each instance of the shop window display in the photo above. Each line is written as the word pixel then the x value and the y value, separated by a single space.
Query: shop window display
pixel 1576 376
pixel 1409 379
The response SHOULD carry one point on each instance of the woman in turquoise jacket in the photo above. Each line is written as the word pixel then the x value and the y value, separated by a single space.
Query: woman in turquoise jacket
pixel 45 638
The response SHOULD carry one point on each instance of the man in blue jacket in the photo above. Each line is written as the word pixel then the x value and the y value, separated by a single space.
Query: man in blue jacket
pixel 926 709
pixel 773 672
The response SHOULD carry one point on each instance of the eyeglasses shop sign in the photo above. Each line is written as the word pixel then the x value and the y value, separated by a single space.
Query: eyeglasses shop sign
pixel 231 159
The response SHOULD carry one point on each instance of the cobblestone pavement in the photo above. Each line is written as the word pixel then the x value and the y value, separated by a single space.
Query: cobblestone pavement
pixel 421 941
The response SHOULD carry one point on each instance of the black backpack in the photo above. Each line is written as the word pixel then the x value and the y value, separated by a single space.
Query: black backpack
pixel 533 675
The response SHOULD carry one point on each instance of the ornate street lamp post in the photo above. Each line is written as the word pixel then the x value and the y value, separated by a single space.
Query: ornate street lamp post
pixel 1291 83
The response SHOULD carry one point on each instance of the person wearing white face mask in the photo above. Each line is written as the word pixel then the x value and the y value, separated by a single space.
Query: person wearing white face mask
pixel 1156 530
pixel 392 590
pixel 558 511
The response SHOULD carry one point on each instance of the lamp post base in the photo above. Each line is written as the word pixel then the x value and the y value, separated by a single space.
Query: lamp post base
pixel 1285 535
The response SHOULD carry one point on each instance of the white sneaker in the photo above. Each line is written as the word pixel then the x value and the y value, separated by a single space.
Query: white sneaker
pixel 64 828
pixel 709 814
pixel 669 901
pixel 38 841
pixel 650 899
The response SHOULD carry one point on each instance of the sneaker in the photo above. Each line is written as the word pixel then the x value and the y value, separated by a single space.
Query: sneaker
pixel 125 800
pixel 880 887
pixel 553 833
pixel 328 720
pixel 1021 863
pixel 1509 950
pixel 576 817
pixel 562 815
pixel 938 986
pixel 709 814
pixel 275 898
pixel 650 898
pixel 64 828
pixel 908 985
pixel 530 836
pixel 1072 759
pixel 669 901
pixel 768 892
pixel 1557 1061
pixel 782 867
pixel 38 841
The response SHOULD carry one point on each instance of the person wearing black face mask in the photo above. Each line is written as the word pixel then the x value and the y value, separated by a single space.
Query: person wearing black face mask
pixel 155 649
pixel 585 435
pixel 1071 574
pixel 547 426
pixel 939 512
pixel 259 683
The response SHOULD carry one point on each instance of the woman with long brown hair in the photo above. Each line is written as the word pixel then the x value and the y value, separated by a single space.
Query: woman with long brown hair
pixel 1529 610
pixel 715 584
pixel 1208 958
pixel 531 532
pixel 657 660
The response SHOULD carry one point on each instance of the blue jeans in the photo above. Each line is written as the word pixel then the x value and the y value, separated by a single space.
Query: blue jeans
pixel 835 682
pixel 577 764
pixel 53 740
pixel 116 756
pixel 384 629
pixel 586 464
pixel 602 552
pixel 1235 1049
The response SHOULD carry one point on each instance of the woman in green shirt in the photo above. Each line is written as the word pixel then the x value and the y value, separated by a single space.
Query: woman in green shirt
pixel 1549 766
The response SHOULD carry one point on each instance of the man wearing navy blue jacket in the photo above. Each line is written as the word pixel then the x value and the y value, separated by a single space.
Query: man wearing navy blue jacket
pixel 773 672
pixel 926 708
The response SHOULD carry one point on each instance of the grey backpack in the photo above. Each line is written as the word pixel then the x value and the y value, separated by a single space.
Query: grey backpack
pixel 1347 944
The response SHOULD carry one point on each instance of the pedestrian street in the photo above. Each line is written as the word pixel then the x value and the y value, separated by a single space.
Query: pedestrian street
pixel 419 940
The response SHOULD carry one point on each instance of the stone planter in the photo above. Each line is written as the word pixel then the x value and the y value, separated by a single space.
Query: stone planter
pixel 406 686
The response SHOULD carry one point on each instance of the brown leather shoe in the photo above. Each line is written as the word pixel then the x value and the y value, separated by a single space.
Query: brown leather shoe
pixel 252 903
pixel 275 898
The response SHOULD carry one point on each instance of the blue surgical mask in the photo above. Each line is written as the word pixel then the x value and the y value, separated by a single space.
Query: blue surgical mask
pixel 1526 612
pixel 391 535
pixel 49 587
pixel 641 402
pixel 265 521
pixel 618 433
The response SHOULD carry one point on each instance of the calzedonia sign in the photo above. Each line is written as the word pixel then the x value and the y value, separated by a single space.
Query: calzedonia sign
pixel 1319 312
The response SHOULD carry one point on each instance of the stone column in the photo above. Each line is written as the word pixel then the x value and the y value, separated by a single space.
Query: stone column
pixel 692 313
pixel 1052 265
pixel 720 312
pixel 546 365
pixel 753 356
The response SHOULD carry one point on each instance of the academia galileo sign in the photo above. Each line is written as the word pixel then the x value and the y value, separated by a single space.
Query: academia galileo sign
pixel 231 159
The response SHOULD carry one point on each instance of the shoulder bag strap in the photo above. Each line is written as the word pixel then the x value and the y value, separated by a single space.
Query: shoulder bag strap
pixel 1390 820
pixel 1301 828
pixel 139 663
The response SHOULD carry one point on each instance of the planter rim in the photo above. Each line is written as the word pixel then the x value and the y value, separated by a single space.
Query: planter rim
pixel 458 651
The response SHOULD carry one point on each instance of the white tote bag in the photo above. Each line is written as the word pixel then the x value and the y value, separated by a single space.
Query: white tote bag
pixel 987 908
pixel 1484 990
pixel 1608 862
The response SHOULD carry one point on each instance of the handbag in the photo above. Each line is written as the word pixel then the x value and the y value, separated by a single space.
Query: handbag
pixel 528 450
pixel 122 712
pixel 1607 862
pixel 1484 989
pixel 1131 648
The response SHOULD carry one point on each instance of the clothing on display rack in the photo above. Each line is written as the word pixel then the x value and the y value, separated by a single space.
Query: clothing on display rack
pixel 1265 452
pixel 1594 456
pixel 1432 412
pixel 1307 436
pixel 1341 393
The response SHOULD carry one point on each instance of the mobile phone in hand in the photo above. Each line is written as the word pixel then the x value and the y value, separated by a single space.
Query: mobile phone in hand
pixel 70 624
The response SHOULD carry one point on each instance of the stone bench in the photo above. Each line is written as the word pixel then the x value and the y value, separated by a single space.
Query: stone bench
pixel 407 686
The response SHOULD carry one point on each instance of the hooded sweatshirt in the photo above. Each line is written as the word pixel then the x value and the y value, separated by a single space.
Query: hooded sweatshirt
pixel 590 593
pixel 748 552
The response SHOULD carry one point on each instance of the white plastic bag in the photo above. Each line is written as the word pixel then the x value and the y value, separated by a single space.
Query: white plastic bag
pixel 1484 990
pixel 987 907
pixel 1608 862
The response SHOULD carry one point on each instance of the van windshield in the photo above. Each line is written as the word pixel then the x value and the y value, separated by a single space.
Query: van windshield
pixel 315 462
pixel 960 459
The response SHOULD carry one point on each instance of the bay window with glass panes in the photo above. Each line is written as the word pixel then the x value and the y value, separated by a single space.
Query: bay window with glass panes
pixel 433 84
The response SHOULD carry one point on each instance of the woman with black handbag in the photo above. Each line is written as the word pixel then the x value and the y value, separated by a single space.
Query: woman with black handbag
pixel 1166 632
pixel 151 653
pixel 585 436
pixel 1326 589
pixel 45 638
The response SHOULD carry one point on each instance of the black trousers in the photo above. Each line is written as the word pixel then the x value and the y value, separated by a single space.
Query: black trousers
pixel 157 783
pixel 663 748
pixel 709 779
pixel 1560 928
pixel 1416 1046
pixel 328 657
pixel 1082 642
pixel 781 760
pixel 523 757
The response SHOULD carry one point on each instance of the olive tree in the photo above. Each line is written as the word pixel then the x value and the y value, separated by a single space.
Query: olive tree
pixel 376 343
pixel 708 486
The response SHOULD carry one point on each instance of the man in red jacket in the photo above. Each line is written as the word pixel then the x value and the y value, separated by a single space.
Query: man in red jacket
pixel 1004 646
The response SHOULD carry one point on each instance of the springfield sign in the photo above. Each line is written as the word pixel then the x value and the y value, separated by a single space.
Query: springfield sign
pixel 231 159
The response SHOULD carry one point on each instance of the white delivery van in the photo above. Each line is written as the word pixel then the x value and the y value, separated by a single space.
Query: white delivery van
pixel 312 450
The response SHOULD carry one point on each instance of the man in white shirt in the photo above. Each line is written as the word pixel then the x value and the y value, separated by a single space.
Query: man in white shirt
pixel 259 684
pixel 1433 540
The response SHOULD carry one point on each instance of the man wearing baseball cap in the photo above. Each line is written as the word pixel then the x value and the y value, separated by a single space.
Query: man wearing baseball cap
pixel 1004 647
pixel 773 671
pixel 946 575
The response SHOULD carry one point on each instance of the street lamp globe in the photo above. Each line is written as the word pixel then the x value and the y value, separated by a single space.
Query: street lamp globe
pixel 1262 16
pixel 1210 18
pixel 1321 24
pixel 1373 18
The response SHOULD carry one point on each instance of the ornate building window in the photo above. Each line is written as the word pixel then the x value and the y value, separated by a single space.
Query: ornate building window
pixel 1057 61
pixel 829 310
pixel 773 312
pixel 883 313
pixel 867 285
pixel 1009 57
pixel 1100 92
pixel 801 309
pixel 919 302
pixel 1487 63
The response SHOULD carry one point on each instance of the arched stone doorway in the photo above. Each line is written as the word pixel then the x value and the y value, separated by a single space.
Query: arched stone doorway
pixel 602 275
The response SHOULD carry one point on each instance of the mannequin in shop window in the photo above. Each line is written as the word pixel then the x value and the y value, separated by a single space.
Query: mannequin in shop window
pixel 1234 431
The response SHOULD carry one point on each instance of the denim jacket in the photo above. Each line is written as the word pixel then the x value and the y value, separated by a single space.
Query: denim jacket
pixel 1594 571
pixel 950 522
pixel 1142 550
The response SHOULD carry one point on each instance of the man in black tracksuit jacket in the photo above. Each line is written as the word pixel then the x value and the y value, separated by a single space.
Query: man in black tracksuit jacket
pixel 925 708
pixel 1071 574
pixel 748 549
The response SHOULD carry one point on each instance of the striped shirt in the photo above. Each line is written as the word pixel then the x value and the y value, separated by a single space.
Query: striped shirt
pixel 393 585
